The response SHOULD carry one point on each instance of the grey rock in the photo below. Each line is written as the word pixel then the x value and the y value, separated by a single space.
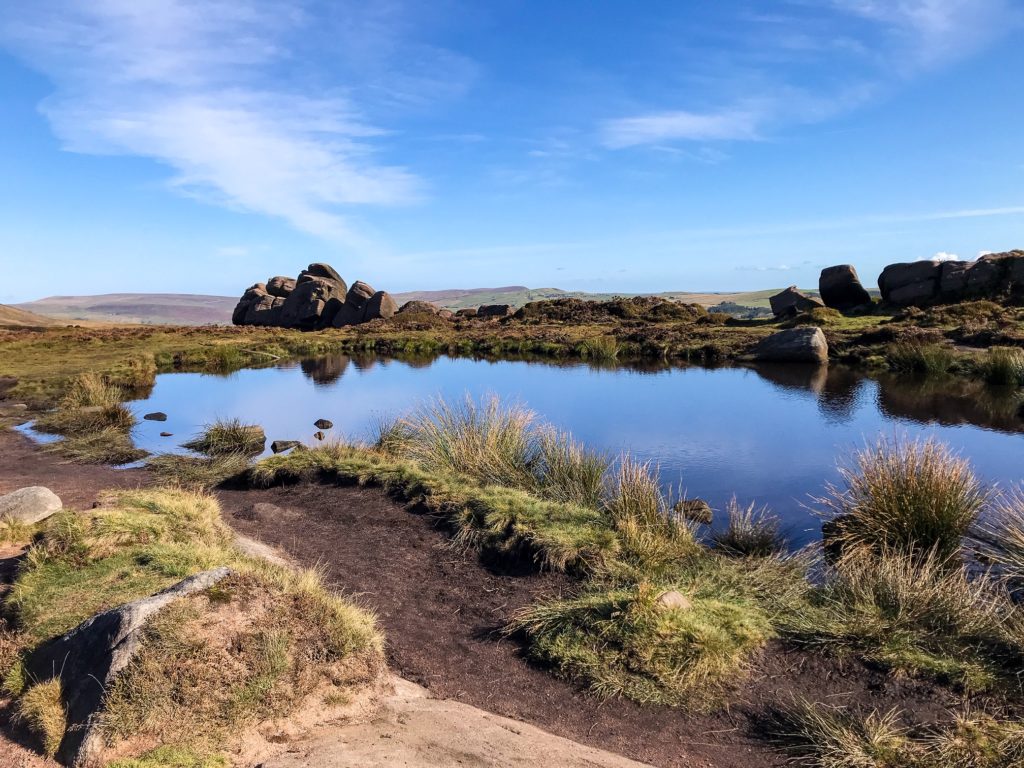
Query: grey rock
pixel 353 311
pixel 413 307
pixel 323 423
pixel 302 309
pixel 953 280
pixel 380 306
pixel 792 301
pixel 280 286
pixel 89 658
pixel 495 310
pixel 841 289
pixel 156 416
pixel 673 600
pixel 915 282
pixel 280 446
pixel 29 505
pixel 320 269
pixel 795 345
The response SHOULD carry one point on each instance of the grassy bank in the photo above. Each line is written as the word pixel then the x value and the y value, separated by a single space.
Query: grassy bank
pixel 263 643
pixel 663 614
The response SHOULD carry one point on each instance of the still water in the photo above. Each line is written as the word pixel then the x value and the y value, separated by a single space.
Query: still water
pixel 770 435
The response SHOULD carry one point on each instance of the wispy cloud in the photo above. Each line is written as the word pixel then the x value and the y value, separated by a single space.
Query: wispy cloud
pixel 894 41
pixel 184 82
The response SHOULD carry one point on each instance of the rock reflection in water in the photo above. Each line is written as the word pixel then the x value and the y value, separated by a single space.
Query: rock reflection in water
pixel 324 371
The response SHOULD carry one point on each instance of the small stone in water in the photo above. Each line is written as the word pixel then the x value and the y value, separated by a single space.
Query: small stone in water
pixel 280 446
pixel 319 435
pixel 155 416
pixel 323 424
pixel 166 434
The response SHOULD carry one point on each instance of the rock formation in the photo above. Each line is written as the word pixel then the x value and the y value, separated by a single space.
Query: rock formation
pixel 796 345
pixel 317 298
pixel 996 276
pixel 792 302
pixel 840 288
pixel 29 505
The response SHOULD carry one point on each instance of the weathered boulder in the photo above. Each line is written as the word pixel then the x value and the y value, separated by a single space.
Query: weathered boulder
pixel 323 270
pixel 304 305
pixel 252 294
pixel 29 505
pixel 495 310
pixel 792 301
pixel 912 283
pixel 840 288
pixel 953 280
pixel 353 310
pixel 381 305
pixel 466 312
pixel 266 311
pixel 411 307
pixel 89 658
pixel 795 345
pixel 280 286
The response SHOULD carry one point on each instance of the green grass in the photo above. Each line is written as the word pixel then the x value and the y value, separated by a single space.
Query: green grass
pixel 1004 366
pixel 199 472
pixel 915 497
pixel 914 616
pixel 41 710
pixel 818 736
pixel 750 532
pixel 228 436
pixel 170 756
pixel 920 359
pixel 256 646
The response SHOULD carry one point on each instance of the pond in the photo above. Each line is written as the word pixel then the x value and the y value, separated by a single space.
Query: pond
pixel 770 435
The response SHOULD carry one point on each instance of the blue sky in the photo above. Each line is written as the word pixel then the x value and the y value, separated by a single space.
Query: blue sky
pixel 200 145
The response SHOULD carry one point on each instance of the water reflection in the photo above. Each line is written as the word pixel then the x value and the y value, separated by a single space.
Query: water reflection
pixel 769 434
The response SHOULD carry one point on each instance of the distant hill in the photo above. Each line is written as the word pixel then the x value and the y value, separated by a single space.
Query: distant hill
pixel 144 308
pixel 196 309
pixel 13 316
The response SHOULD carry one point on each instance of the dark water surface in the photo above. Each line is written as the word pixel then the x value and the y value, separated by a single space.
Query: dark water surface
pixel 770 435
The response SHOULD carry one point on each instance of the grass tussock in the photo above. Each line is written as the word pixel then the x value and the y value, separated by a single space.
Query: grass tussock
pixel 198 472
pixel 255 646
pixel 750 532
pixel 914 497
pixel 624 641
pixel 916 616
pixel 227 437
pixel 818 736
pixel 920 359
pixel 599 348
pixel 998 536
pixel 1004 366
pixel 105 446
pixel 41 710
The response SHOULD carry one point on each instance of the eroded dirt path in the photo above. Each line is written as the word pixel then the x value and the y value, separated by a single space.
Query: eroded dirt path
pixel 441 608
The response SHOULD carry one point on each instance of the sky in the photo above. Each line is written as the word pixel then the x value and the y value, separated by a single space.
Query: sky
pixel 199 146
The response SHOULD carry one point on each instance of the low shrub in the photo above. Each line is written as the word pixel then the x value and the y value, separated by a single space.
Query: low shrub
pixel 751 532
pixel 915 497
pixel 228 436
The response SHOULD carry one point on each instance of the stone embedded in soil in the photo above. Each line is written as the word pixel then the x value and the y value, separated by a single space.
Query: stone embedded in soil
pixel 90 657
pixel 323 424
pixel 262 511
pixel 674 600
pixel 280 446
pixel 29 505
pixel 156 416
pixel 697 510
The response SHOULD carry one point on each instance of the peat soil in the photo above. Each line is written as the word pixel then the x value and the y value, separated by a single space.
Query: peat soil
pixel 442 610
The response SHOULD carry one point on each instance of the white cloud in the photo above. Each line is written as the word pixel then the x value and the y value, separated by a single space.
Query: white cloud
pixel 851 64
pixel 983 253
pixel 941 256
pixel 736 125
pixel 185 82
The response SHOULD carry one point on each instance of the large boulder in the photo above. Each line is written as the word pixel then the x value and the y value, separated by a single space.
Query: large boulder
pixel 914 283
pixel 380 305
pixel 353 311
pixel 280 286
pixel 792 302
pixel 415 306
pixel 89 658
pixel 29 505
pixel 266 310
pixel 323 270
pixel 252 294
pixel 302 309
pixel 840 288
pixel 795 345
pixel 495 310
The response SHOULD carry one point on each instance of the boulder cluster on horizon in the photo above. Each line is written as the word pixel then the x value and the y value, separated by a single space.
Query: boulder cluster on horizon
pixel 995 276
pixel 317 298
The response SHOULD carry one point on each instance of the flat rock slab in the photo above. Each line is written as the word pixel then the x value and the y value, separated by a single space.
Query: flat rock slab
pixel 29 505
pixel 415 731
pixel 88 659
